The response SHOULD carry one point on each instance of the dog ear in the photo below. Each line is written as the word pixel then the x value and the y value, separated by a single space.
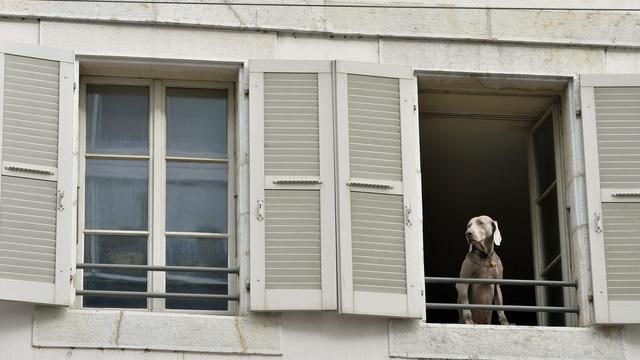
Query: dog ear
pixel 497 238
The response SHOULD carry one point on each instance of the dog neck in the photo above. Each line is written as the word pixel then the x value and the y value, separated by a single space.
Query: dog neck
pixel 481 253
pixel 486 251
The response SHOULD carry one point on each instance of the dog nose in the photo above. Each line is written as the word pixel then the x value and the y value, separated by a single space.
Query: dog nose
pixel 468 233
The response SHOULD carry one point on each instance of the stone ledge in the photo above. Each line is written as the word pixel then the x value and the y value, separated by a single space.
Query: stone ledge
pixel 416 339
pixel 254 334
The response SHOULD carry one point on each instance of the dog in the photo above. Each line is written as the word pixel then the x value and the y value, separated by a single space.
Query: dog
pixel 481 262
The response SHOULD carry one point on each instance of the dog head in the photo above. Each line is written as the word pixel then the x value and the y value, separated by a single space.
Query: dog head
pixel 481 229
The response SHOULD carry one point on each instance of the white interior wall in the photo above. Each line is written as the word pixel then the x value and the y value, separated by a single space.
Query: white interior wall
pixel 309 336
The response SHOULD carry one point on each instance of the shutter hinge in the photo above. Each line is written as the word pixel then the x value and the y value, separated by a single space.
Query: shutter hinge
pixel 598 218
pixel 59 204
pixel 260 210
pixel 246 90
pixel 74 86
pixel 407 215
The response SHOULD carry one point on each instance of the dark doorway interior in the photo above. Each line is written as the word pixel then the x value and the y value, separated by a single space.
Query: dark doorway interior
pixel 475 163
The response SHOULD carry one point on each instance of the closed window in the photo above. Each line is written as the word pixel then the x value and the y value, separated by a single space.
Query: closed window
pixel 156 189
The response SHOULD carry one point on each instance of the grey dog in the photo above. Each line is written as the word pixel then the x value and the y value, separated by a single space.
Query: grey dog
pixel 481 262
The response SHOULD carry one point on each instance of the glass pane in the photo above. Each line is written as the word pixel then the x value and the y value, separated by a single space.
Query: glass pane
pixel 117 119
pixel 550 228
pixel 197 123
pixel 112 249
pixel 116 195
pixel 555 295
pixel 544 154
pixel 196 252
pixel 196 197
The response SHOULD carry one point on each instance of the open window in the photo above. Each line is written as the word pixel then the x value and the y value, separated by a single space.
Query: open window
pixel 495 150
pixel 551 255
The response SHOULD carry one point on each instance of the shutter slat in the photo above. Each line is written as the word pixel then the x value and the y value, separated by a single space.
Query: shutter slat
pixel 616 172
pixel 19 244
pixel 283 220
pixel 369 142
pixel 293 138
pixel 26 272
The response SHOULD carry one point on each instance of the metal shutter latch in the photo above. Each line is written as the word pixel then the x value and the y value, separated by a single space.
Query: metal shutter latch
pixel 59 198
pixel 260 210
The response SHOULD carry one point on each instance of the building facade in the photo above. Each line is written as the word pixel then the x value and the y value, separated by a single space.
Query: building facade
pixel 326 156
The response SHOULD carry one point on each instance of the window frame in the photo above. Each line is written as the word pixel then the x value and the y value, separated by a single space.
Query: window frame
pixel 536 195
pixel 156 233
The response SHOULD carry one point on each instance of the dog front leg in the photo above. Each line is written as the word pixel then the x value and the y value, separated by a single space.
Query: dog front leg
pixel 497 300
pixel 463 298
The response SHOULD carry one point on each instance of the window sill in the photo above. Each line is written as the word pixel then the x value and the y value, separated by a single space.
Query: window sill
pixel 417 339
pixel 62 327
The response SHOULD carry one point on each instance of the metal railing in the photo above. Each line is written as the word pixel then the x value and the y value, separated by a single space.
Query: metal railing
pixel 517 282
pixel 138 294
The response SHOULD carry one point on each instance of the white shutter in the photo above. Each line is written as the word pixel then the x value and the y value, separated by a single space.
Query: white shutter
pixel 36 192
pixel 293 254
pixel 379 202
pixel 611 118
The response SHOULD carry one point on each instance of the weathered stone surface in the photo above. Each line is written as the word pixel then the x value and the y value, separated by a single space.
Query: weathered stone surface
pixel 485 57
pixel 605 28
pixel 255 334
pixel 416 339
pixel 158 41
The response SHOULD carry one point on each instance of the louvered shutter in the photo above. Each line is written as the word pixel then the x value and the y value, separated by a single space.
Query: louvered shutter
pixel 293 264
pixel 36 145
pixel 611 118
pixel 379 212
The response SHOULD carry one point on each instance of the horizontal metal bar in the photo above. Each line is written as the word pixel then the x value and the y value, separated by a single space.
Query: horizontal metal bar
pixel 156 295
pixel 526 308
pixel 452 280
pixel 116 232
pixel 116 157
pixel 199 235
pixel 197 159
pixel 234 270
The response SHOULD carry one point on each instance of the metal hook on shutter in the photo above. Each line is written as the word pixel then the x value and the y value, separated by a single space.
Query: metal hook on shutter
pixel 59 198
pixel 260 210
pixel 407 215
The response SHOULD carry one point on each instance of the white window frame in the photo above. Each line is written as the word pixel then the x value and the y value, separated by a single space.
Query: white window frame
pixel 536 194
pixel 156 249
